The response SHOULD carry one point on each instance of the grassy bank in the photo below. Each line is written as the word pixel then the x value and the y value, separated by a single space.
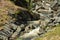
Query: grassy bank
pixel 51 35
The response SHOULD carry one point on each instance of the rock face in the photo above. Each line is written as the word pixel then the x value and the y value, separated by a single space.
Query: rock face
pixel 44 9
pixel 44 15
pixel 48 15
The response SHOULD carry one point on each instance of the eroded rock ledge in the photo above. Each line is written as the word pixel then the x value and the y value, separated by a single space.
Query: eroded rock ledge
pixel 24 23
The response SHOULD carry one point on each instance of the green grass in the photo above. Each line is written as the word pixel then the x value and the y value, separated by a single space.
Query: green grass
pixel 27 0
pixel 55 31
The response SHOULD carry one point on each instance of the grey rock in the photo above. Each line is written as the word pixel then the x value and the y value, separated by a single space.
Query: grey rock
pixel 3 37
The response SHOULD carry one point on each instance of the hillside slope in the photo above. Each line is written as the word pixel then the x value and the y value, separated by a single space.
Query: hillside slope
pixel 53 34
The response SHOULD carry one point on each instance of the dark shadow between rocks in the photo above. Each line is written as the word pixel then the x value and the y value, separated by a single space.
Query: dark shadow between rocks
pixel 1 39
pixel 24 16
pixel 21 3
